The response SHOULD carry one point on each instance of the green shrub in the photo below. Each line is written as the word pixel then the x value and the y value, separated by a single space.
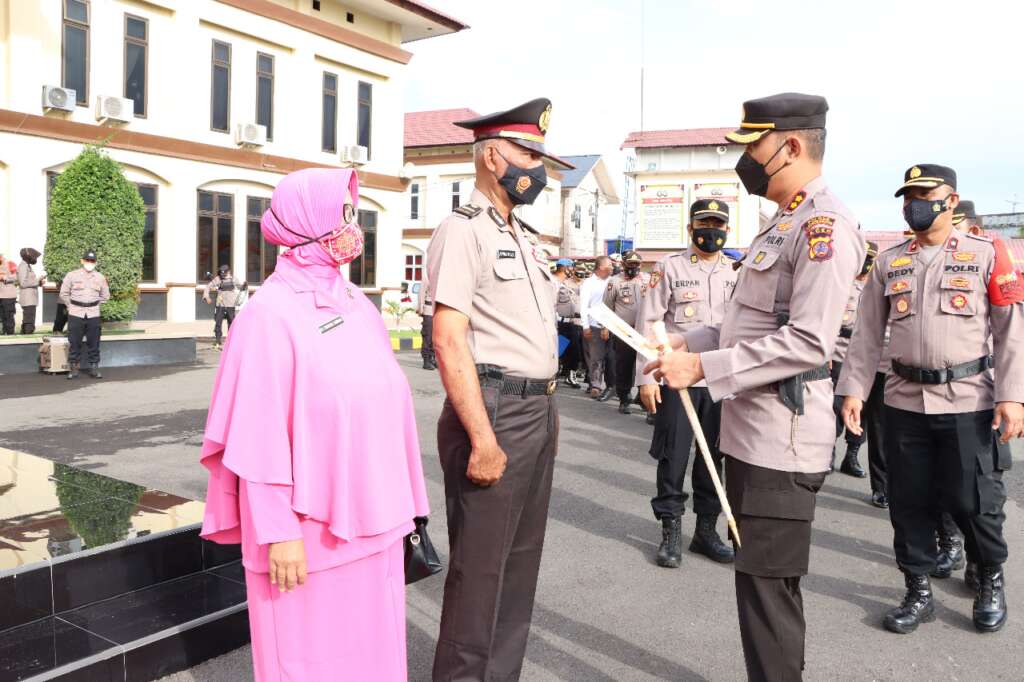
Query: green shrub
pixel 93 206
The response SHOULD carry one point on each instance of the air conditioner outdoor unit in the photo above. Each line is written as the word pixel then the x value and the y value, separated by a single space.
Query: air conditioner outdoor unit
pixel 355 154
pixel 251 134
pixel 117 109
pixel 62 99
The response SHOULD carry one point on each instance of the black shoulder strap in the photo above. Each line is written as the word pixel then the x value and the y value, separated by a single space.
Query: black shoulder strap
pixel 468 211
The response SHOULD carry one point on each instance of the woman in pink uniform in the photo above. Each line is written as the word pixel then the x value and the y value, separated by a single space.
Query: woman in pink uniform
pixel 312 452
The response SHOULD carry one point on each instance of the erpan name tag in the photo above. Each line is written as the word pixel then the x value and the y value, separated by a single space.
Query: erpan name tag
pixel 331 324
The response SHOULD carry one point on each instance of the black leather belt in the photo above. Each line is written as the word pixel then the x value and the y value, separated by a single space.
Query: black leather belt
pixel 84 305
pixel 943 375
pixel 490 375
pixel 845 332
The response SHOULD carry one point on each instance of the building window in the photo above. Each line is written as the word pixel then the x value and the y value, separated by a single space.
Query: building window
pixel 363 270
pixel 149 200
pixel 316 5
pixel 364 115
pixel 456 194
pixel 136 46
pixel 75 50
pixel 265 92
pixel 414 268
pixel 576 215
pixel 220 89
pixel 215 215
pixel 329 127
pixel 260 255
pixel 414 201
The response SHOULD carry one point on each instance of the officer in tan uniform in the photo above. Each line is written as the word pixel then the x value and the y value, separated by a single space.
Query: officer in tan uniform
pixel 771 362
pixel 567 308
pixel 850 464
pixel 83 291
pixel 497 349
pixel 943 293
pixel 425 309
pixel 688 290
pixel 28 289
pixel 966 218
pixel 623 295
pixel 228 293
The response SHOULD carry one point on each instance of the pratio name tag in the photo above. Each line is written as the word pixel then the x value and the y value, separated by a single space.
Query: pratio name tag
pixel 331 324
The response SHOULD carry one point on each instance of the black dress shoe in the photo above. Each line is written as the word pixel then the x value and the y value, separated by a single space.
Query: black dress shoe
pixel 606 395
pixel 917 606
pixel 670 553
pixel 879 500
pixel 951 556
pixel 623 407
pixel 971 576
pixel 706 541
pixel 990 604
pixel 650 419
pixel 427 364
pixel 94 372
pixel 851 466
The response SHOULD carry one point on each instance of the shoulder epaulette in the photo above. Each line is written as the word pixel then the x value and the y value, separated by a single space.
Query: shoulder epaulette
pixel 526 225
pixel 895 246
pixel 980 237
pixel 469 211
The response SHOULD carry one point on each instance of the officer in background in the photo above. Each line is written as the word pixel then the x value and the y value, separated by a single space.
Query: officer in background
pixel 600 351
pixel 28 289
pixel 425 309
pixel 944 294
pixel 688 290
pixel 83 291
pixel 567 308
pixel 775 344
pixel 580 274
pixel 497 350
pixel 623 295
pixel 851 465
pixel 966 218
pixel 228 294
pixel 8 294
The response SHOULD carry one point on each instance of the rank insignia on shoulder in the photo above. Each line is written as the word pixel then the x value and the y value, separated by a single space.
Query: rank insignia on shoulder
pixel 496 217
pixel 901 261
pixel 469 211
pixel 798 199
pixel 819 237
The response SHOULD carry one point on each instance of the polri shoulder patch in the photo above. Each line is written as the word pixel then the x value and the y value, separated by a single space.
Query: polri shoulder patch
pixel 468 211
pixel 819 237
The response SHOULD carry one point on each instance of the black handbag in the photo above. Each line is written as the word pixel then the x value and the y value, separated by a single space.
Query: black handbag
pixel 421 560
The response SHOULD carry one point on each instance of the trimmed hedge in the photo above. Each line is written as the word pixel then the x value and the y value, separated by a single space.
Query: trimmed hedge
pixel 93 206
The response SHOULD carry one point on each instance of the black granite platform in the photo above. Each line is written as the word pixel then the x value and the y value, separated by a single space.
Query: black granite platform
pixel 102 579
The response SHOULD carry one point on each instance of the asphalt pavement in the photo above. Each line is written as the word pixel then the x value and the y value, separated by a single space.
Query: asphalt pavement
pixel 605 610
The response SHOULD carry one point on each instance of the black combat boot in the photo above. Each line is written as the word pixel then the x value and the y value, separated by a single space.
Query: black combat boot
pixel 624 406
pixel 706 541
pixel 427 364
pixel 917 606
pixel 971 576
pixel 670 553
pixel 851 465
pixel 990 603
pixel 650 419
pixel 951 555
pixel 94 372
pixel 73 370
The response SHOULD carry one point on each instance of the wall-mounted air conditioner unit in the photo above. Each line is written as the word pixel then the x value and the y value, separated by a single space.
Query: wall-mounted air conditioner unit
pixel 355 154
pixel 250 135
pixel 114 109
pixel 61 99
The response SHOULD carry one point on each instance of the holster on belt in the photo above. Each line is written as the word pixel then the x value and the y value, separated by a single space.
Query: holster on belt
pixel 791 390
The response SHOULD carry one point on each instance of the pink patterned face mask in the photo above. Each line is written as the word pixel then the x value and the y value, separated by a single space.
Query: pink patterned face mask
pixel 343 244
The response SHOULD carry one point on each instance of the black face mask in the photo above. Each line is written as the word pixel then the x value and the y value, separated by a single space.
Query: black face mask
pixel 753 175
pixel 523 185
pixel 709 239
pixel 921 213
pixel 632 271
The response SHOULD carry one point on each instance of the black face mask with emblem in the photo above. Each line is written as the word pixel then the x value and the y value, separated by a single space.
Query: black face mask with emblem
pixel 632 271
pixel 523 185
pixel 921 213
pixel 709 239
pixel 753 175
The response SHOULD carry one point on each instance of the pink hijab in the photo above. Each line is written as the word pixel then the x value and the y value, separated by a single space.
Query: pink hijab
pixel 324 409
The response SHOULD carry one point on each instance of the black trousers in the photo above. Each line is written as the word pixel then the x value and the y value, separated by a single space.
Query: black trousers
pixel 28 319
pixel 853 441
pixel 945 462
pixel 670 445
pixel 7 315
pixel 873 423
pixel 496 536
pixel 60 318
pixel 773 510
pixel 427 335
pixel 573 355
pixel 87 328
pixel 625 369
pixel 222 313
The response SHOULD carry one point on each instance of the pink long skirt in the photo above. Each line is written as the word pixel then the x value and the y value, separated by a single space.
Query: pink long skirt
pixel 345 623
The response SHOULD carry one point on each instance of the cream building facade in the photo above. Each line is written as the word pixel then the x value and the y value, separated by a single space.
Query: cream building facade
pixel 224 97
pixel 587 193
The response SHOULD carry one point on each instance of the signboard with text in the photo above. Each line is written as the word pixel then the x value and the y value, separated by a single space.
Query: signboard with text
pixel 662 216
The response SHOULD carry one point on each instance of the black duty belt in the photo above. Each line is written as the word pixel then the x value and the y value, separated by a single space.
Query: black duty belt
pixel 509 385
pixel 84 305
pixel 943 375
pixel 845 332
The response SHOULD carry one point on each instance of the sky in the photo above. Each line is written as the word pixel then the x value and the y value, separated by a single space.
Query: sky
pixel 907 83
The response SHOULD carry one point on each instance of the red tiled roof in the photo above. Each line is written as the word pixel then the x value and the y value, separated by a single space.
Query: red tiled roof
pixel 1016 249
pixel 436 128
pixel 694 137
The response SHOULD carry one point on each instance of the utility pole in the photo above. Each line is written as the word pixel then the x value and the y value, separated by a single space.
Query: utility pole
pixel 643 48
pixel 1013 203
